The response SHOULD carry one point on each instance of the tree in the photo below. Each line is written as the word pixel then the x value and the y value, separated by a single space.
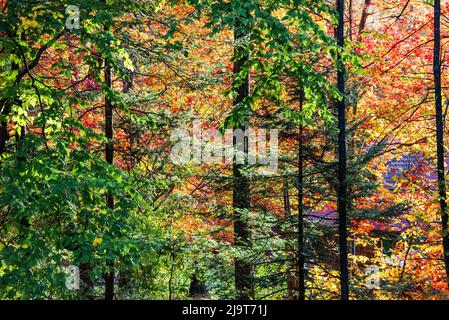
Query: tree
pixel 342 192
pixel 440 135
pixel 241 189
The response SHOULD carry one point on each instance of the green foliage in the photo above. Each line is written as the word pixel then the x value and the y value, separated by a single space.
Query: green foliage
pixel 54 180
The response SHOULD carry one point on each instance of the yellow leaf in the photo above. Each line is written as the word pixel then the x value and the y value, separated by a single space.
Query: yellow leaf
pixel 26 23
pixel 97 241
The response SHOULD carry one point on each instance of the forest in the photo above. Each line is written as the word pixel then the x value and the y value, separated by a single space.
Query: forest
pixel 224 150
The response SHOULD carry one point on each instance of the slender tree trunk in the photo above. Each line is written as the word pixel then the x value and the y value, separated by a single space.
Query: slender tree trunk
pixel 5 110
pixel 241 192
pixel 88 284
pixel 4 135
pixel 109 154
pixel 292 281
pixel 342 183
pixel 440 134
pixel 301 253
pixel 364 17
pixel 350 19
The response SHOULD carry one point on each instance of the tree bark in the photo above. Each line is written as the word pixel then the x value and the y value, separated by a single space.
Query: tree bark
pixel 342 161
pixel 4 135
pixel 301 253
pixel 241 192
pixel 292 281
pixel 440 135
pixel 5 109
pixel 109 155
pixel 364 17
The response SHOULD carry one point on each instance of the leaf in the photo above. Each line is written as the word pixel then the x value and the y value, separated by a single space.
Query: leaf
pixel 97 241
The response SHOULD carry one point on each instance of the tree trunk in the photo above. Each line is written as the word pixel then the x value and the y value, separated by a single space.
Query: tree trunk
pixel 440 134
pixel 342 183
pixel 292 279
pixel 109 154
pixel 364 17
pixel 4 135
pixel 241 193
pixel 301 253
pixel 5 107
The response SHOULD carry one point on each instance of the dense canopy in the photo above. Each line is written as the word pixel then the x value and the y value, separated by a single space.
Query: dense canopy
pixel 209 149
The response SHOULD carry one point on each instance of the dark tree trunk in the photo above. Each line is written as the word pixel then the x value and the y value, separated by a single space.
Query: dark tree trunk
pixel 342 183
pixel 301 253
pixel 109 150
pixel 109 154
pixel 241 191
pixel 440 134
pixel 4 135
pixel 364 17
pixel 292 283
pixel 88 284
pixel 198 289
pixel 5 107
pixel 292 279
pixel 5 110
